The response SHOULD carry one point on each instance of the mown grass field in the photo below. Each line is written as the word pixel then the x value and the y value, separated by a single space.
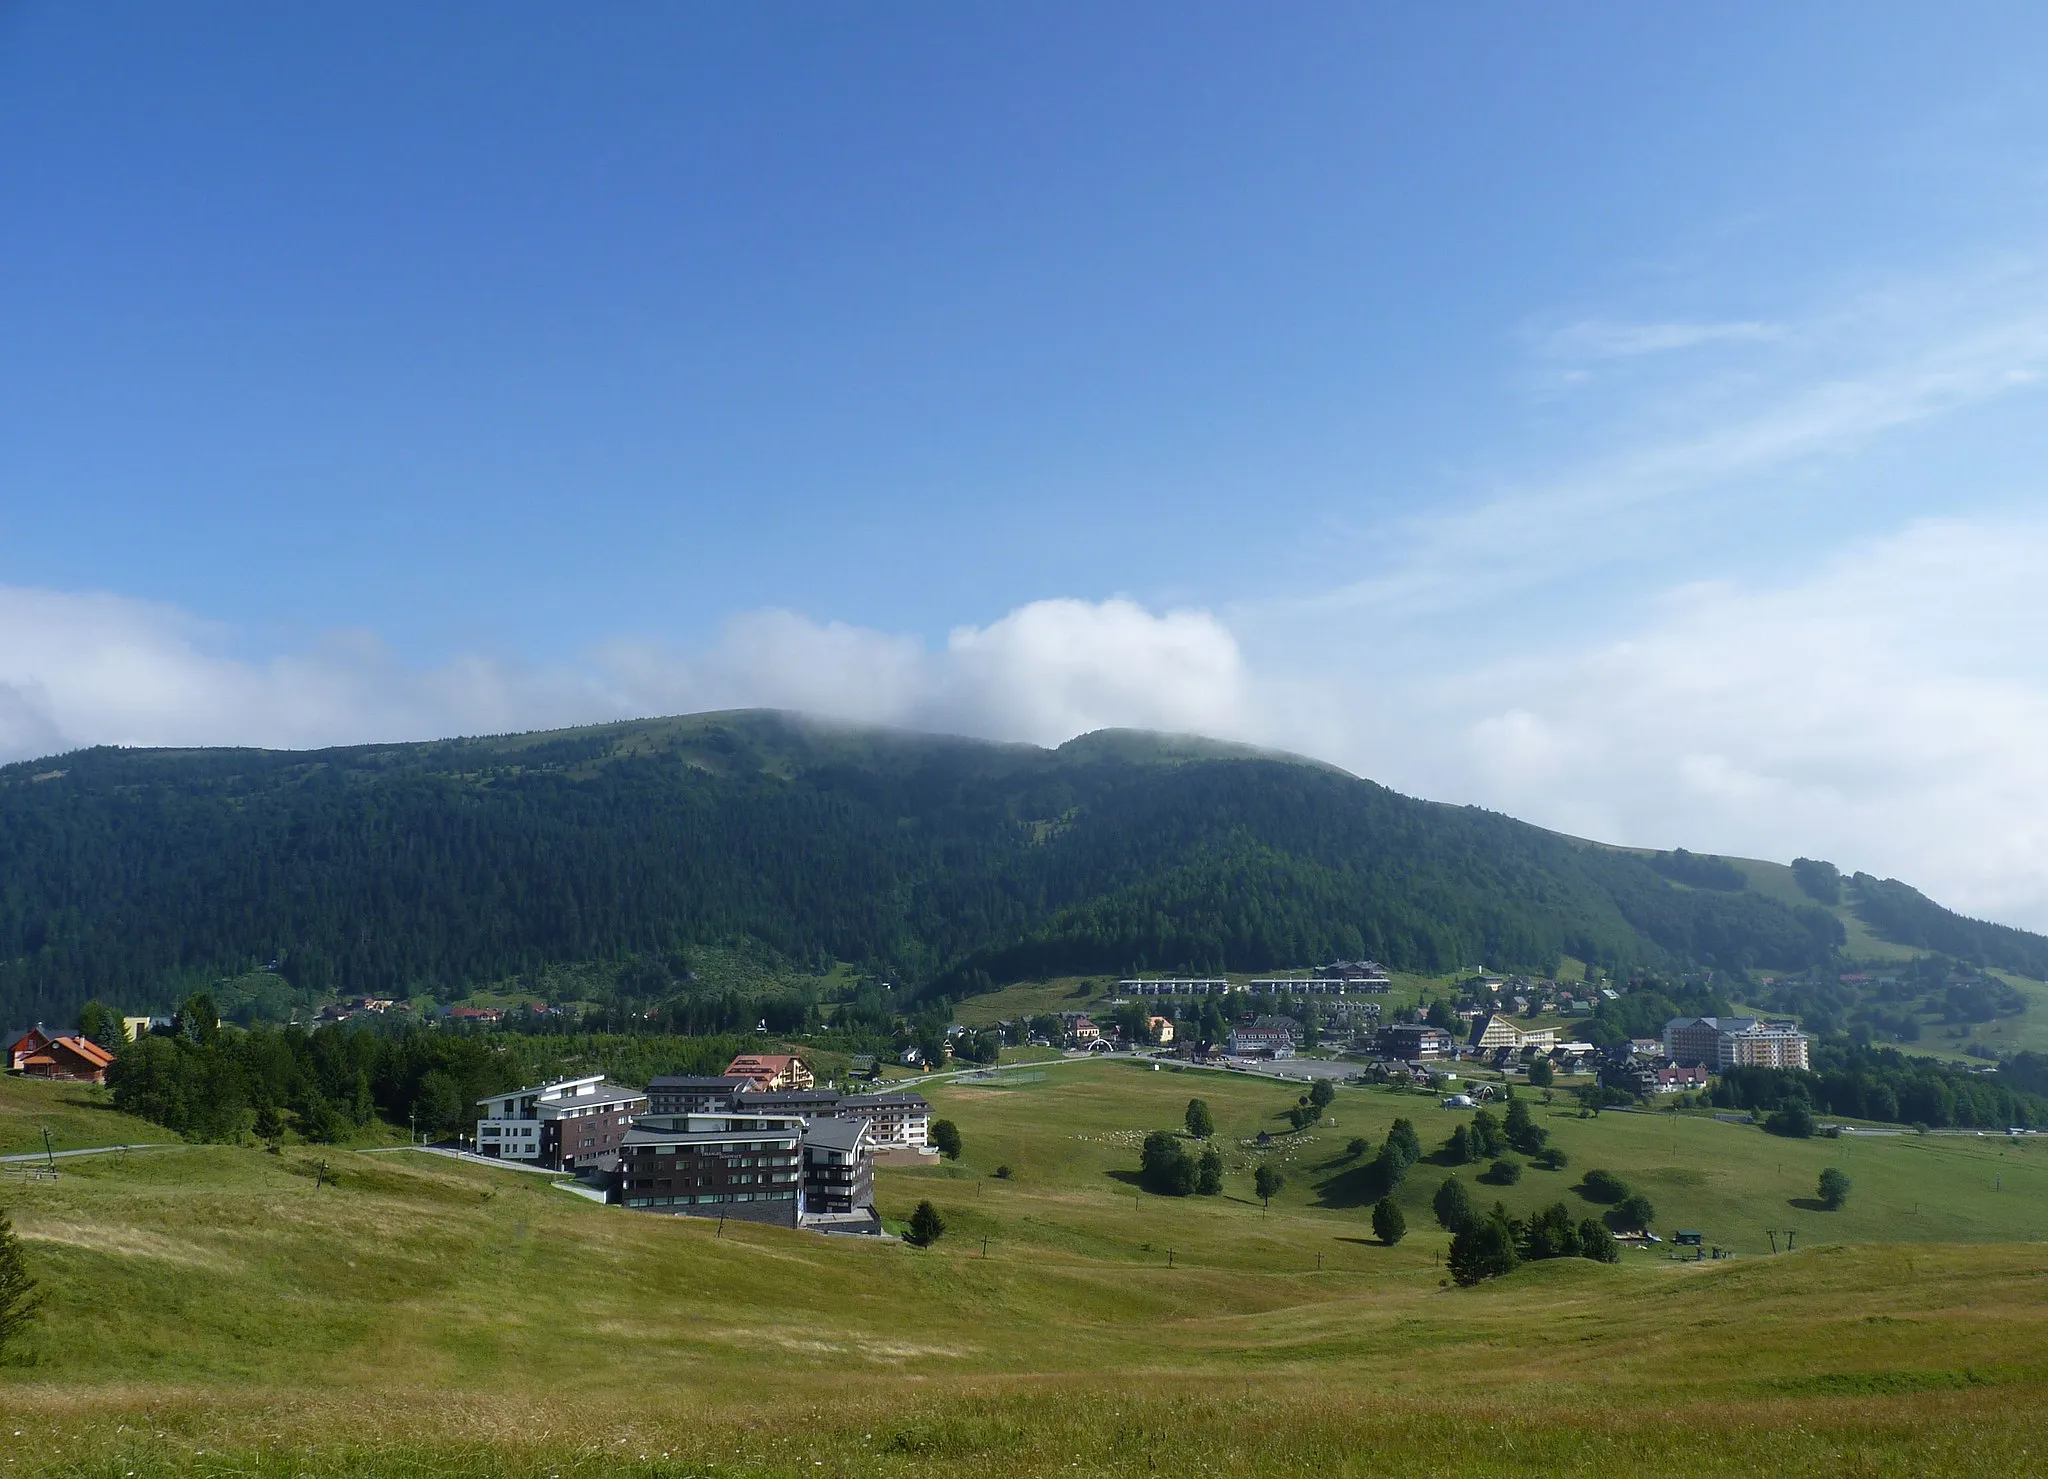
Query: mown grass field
pixel 214 1311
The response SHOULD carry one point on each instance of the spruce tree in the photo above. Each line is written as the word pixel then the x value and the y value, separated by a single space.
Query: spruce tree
pixel 19 1300
pixel 1452 1205
pixel 926 1226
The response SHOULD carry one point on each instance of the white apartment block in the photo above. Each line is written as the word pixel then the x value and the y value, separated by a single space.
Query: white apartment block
pixel 566 1123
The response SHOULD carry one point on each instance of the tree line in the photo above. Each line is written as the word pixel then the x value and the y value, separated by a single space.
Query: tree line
pixel 211 1082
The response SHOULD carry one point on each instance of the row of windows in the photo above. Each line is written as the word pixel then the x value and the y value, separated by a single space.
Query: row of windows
pixel 787 1147
pixel 712 1198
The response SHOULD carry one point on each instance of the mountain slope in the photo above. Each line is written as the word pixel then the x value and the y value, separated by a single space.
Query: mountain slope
pixel 944 862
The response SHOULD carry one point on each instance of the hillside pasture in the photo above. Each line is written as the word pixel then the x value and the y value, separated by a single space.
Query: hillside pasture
pixel 227 1311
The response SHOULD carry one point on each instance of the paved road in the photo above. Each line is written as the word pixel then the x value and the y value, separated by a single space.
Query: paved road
pixel 496 1163
pixel 37 1155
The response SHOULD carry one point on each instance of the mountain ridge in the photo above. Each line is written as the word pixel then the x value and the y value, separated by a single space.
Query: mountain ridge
pixel 945 862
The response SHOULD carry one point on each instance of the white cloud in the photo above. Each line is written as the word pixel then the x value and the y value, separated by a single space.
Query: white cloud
pixel 1709 449
pixel 1889 712
pixel 1045 672
pixel 1602 339
pixel 98 669
pixel 1054 669
pixel 81 669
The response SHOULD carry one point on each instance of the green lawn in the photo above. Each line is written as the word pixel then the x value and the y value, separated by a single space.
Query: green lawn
pixel 216 1312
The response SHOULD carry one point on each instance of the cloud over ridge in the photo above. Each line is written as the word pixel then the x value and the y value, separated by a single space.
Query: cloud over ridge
pixel 1886 709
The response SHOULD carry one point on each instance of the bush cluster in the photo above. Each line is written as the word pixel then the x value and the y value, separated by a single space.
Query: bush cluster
pixel 1485 1247
pixel 1166 1167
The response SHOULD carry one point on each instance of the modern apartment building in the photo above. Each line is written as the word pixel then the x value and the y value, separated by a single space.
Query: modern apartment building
pixel 895 1121
pixel 1735 1042
pixel 747 1166
pixel 839 1169
pixel 565 1124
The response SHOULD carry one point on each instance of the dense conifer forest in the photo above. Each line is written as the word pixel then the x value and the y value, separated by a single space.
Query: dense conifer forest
pixel 136 876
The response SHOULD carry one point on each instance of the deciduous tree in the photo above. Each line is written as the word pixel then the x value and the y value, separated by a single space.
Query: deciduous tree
pixel 1834 1188
pixel 1268 1183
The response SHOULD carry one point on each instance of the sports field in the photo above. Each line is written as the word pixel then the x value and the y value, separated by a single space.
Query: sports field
pixel 215 1311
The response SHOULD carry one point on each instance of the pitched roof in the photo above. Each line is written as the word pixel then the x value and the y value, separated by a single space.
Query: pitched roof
pixel 87 1049
pixel 36 1041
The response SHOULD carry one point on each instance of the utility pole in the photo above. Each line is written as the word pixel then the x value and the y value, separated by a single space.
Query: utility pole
pixel 1772 1234
pixel 984 1247
pixel 413 1118
pixel 1169 1257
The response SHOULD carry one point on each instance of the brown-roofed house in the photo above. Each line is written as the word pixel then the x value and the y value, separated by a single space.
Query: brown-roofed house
pixel 39 1054
pixel 770 1071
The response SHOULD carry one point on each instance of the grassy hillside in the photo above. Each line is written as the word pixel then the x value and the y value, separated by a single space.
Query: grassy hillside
pixel 217 1312
pixel 945 865
pixel 77 1116
pixel 1860 942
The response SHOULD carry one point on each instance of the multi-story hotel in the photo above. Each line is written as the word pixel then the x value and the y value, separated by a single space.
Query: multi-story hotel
pixel 1735 1042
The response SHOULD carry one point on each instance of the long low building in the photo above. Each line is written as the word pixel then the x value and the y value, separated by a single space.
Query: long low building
pixel 1319 986
pixel 1175 986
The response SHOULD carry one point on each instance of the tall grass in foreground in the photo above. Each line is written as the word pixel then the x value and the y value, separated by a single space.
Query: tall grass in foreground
pixel 1074 1431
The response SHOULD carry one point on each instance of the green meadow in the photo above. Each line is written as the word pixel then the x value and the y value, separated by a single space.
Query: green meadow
pixel 226 1311
pixel 76 1115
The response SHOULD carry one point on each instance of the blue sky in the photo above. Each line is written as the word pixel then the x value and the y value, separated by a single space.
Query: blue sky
pixel 1629 420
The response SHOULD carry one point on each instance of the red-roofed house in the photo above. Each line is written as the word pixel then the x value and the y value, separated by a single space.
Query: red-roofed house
pixel 769 1072
pixel 67 1056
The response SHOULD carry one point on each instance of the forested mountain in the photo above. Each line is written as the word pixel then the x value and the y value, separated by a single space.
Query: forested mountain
pixel 943 863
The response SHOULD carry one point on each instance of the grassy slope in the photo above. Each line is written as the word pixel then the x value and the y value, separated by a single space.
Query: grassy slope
pixel 77 1115
pixel 425 1315
pixel 1071 1138
pixel 1777 881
